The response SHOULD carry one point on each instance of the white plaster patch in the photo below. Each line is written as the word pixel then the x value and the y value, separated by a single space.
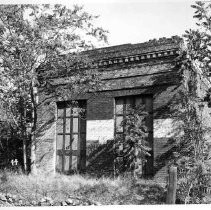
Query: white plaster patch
pixel 101 130
pixel 167 128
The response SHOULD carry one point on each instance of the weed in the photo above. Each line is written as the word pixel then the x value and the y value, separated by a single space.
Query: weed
pixel 59 187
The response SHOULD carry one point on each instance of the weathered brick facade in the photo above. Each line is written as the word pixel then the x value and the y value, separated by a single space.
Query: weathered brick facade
pixel 146 69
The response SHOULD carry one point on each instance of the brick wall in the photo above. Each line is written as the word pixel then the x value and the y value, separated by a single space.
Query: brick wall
pixel 45 141
pixel 100 107
pixel 158 78
pixel 165 128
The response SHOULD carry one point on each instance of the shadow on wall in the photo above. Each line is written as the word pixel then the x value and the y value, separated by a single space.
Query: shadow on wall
pixel 165 158
pixel 165 87
pixel 45 139
pixel 166 97
pixel 100 158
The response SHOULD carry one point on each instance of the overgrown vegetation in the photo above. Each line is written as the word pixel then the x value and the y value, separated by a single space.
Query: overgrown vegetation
pixel 191 156
pixel 105 191
pixel 192 152
pixel 38 43
pixel 132 147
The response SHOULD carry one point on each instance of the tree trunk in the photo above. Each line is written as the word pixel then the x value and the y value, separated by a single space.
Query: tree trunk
pixel 33 155
pixel 33 130
pixel 24 154
pixel 23 132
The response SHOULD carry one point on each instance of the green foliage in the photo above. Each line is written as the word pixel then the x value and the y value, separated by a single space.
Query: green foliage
pixel 106 191
pixel 132 147
pixel 193 178
pixel 32 36
pixel 193 171
pixel 192 150
pixel 199 41
pixel 37 44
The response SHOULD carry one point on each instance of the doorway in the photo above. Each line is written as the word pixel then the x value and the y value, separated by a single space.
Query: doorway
pixel 71 137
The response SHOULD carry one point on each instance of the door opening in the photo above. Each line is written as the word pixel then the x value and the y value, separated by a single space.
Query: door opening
pixel 71 137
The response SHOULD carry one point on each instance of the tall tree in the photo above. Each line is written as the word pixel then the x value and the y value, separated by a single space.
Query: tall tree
pixel 199 40
pixel 35 37
pixel 195 64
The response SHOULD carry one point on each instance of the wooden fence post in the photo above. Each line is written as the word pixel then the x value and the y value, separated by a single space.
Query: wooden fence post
pixel 172 185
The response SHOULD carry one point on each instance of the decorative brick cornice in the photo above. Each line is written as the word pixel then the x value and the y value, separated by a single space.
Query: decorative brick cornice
pixel 135 53
pixel 127 54
pixel 136 58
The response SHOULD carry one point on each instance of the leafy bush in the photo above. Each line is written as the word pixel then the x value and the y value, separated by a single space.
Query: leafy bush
pixel 192 149
pixel 193 181
pixel 132 147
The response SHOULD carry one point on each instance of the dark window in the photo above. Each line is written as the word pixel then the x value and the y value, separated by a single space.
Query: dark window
pixel 71 134
pixel 122 105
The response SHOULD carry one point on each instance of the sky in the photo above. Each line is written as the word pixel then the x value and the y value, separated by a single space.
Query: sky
pixel 135 21
pixel 139 21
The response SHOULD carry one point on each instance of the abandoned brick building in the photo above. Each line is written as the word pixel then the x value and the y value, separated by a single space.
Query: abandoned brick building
pixel 132 73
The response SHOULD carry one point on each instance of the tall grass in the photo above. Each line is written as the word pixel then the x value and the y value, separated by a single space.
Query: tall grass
pixel 60 187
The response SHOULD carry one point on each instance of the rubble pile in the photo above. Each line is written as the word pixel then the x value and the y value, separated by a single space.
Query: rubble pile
pixel 13 200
